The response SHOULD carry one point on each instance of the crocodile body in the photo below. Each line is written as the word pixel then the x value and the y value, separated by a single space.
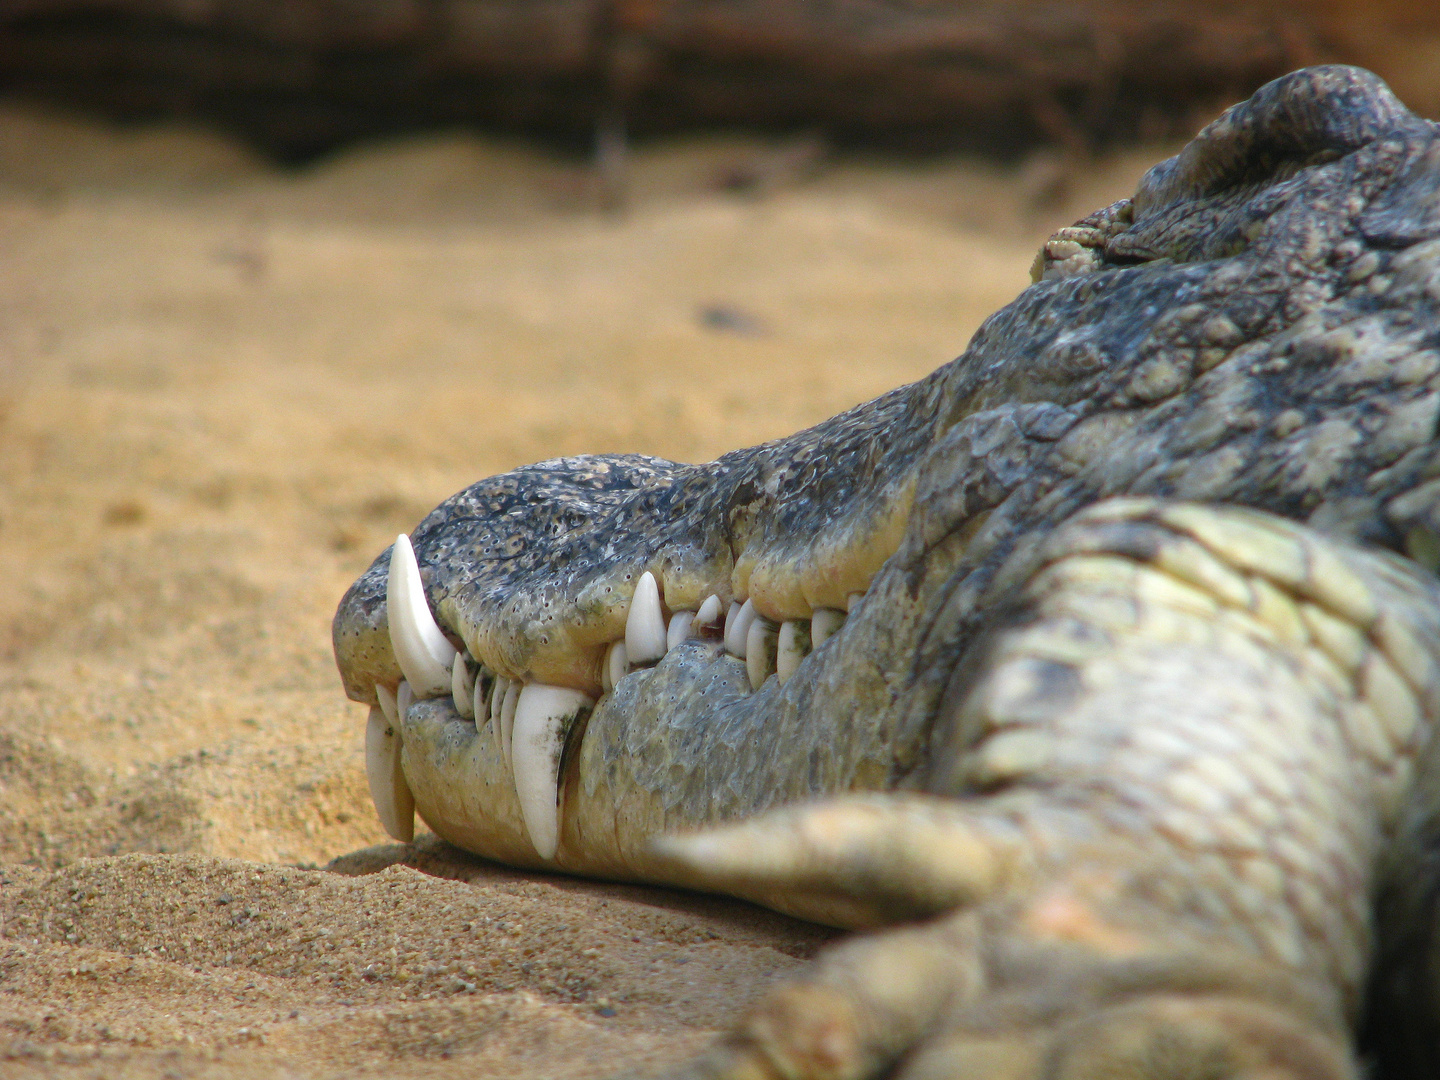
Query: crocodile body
pixel 1121 730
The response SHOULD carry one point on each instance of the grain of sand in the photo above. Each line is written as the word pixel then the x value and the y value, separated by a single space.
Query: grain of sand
pixel 223 390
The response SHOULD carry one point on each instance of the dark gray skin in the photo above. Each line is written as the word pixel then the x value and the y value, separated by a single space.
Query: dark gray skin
pixel 1130 737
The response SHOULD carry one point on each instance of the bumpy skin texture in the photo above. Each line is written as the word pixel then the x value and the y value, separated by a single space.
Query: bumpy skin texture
pixel 1131 735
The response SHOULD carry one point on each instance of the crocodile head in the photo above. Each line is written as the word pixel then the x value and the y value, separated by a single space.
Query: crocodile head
pixel 592 651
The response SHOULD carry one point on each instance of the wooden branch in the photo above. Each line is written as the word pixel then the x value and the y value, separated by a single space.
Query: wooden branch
pixel 302 75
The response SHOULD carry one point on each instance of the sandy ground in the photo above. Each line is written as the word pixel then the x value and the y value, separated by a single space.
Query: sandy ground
pixel 223 390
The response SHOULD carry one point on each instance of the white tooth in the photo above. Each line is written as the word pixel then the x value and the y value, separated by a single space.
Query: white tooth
pixel 507 720
pixel 497 706
pixel 386 697
pixel 792 646
pixel 617 666
pixel 497 697
pixel 645 625
pixel 497 710
pixel 731 614
pixel 388 790
pixel 709 613
pixel 421 650
pixel 759 651
pixel 823 623
pixel 853 599
pixel 679 628
pixel 462 688
pixel 737 629
pixel 404 698
pixel 543 717
pixel 481 702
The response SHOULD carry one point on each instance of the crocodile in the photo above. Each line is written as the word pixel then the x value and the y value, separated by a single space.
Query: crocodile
pixel 1094 678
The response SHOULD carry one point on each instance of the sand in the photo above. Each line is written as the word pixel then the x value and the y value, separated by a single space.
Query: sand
pixel 223 390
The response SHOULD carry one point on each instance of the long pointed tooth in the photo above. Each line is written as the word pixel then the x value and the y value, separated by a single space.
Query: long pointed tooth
pixel 617 666
pixel 737 629
pixel 462 688
pixel 421 650
pixel 404 698
pixel 481 702
pixel 792 646
pixel 388 790
pixel 709 613
pixel 543 717
pixel 760 651
pixel 679 628
pixel 823 624
pixel 645 625
pixel 386 697
pixel 507 720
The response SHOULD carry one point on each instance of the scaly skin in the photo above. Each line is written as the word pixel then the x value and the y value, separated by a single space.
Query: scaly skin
pixel 1130 735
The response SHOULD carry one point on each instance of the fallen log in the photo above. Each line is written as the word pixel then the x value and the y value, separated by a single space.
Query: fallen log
pixel 300 76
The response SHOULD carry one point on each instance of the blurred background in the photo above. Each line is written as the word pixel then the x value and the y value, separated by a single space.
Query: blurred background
pixel 299 77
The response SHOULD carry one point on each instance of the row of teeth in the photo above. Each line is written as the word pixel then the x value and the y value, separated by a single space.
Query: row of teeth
pixel 532 718
pixel 767 647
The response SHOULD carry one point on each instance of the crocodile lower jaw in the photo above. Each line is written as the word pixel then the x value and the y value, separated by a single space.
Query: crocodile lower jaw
pixel 528 729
